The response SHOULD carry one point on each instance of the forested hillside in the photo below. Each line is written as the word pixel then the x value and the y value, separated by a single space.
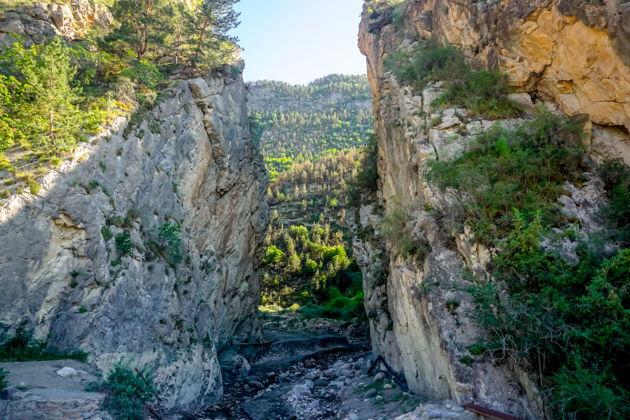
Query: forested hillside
pixel 297 123
pixel 65 77
pixel 312 138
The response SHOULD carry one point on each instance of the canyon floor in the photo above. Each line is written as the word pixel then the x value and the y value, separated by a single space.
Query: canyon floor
pixel 305 369
pixel 321 369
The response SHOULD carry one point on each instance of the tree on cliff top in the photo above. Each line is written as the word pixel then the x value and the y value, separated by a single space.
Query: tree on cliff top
pixel 206 26
pixel 142 25
pixel 194 33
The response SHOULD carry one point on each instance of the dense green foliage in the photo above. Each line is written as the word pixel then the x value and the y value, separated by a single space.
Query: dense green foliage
pixel 482 92
pixel 128 393
pixel 524 168
pixel 298 123
pixel 54 95
pixel 306 258
pixel 366 179
pixel 191 35
pixel 567 320
pixel 22 348
pixel 38 104
pixel 616 176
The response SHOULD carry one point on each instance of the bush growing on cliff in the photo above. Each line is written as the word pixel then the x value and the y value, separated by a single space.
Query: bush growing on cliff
pixel 616 177
pixel 482 92
pixel 395 227
pixel 568 321
pixel 128 393
pixel 524 168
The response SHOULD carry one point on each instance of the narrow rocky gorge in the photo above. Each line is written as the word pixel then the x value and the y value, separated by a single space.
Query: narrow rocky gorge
pixel 145 247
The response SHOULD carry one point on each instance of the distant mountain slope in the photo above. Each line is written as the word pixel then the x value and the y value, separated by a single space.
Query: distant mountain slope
pixel 296 123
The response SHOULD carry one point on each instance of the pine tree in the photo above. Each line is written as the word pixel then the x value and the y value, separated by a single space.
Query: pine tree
pixel 51 114
pixel 142 25
pixel 207 26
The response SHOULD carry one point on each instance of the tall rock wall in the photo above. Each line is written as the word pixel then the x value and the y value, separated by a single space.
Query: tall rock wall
pixel 570 57
pixel 84 264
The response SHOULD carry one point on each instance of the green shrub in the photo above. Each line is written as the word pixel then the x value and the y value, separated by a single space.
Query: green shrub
pixel 33 187
pixel 22 348
pixel 128 393
pixel 336 306
pixel 568 321
pixel 166 242
pixel 146 73
pixel 123 243
pixel 483 93
pixel 426 62
pixel 524 168
pixel 395 227
pixel 589 392
pixel 107 233
pixel 616 176
pixel 3 379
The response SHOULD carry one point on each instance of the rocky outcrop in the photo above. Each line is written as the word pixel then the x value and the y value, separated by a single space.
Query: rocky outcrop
pixel 92 262
pixel 418 310
pixel 419 315
pixel 574 53
pixel 35 23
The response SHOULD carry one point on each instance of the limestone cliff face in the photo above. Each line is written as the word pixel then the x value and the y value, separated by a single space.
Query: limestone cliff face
pixel 35 23
pixel 574 53
pixel 84 265
pixel 566 56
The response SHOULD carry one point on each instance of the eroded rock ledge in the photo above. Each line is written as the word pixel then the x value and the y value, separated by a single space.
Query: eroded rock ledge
pixel 574 53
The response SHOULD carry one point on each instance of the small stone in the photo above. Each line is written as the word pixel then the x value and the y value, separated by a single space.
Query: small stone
pixel 379 376
pixel 67 372
pixel 387 386
pixel 304 389
pixel 353 416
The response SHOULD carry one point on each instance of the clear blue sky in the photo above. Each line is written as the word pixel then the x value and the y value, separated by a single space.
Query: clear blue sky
pixel 299 40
